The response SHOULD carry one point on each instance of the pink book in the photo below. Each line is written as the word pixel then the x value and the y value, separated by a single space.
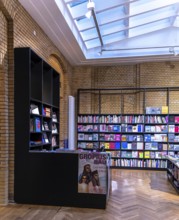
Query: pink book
pixel 117 137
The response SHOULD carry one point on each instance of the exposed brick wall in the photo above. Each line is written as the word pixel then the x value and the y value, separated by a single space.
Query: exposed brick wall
pixel 17 27
pixel 4 111
pixel 164 74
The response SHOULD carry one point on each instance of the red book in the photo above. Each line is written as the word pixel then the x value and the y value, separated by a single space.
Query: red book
pixel 111 145
pixel 176 129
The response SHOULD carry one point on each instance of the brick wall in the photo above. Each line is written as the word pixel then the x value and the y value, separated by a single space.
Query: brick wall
pixel 17 28
pixel 164 74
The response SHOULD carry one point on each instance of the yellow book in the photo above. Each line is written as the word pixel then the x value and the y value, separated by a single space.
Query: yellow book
pixel 106 145
pixel 164 109
pixel 147 154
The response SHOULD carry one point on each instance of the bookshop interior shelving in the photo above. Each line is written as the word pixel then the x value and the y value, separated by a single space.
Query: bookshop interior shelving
pixel 138 126
pixel 36 102
pixel 44 174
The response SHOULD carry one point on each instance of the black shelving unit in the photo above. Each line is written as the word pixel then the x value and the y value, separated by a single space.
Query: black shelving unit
pixel 43 173
pixel 137 140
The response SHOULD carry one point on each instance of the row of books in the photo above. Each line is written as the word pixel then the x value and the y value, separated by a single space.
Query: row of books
pixel 132 128
pixel 155 137
pixel 156 128
pixel 156 146
pixel 87 128
pixel 88 145
pixel 45 140
pixel 35 126
pixel 157 110
pixel 174 147
pixel 117 153
pixel 109 128
pixel 132 138
pixel 139 163
pixel 157 119
pixel 87 137
pixel 145 154
pixel 46 111
pixel 173 138
pixel 132 146
pixel 131 119
pixel 109 137
pixel 129 128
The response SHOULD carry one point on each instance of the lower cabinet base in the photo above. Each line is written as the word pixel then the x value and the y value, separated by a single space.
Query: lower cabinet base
pixel 52 179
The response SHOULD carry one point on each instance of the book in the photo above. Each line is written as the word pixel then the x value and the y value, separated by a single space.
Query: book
pixel 47 111
pixel 54 129
pixel 54 117
pixel 124 145
pixel 117 145
pixel 141 154
pixel 45 138
pixel 164 109
pixel 37 125
pixel 147 154
pixel 34 109
pixel 81 136
pixel 117 137
pixel 54 141
pixel 45 125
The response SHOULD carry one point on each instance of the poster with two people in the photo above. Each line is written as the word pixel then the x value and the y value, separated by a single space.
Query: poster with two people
pixel 92 173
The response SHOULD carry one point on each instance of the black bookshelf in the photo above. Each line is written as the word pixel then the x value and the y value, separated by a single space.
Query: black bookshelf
pixel 43 173
pixel 36 99
pixel 139 140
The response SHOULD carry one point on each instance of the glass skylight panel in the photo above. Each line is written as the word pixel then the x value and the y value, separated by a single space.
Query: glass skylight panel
pixel 89 34
pixel 93 43
pixel 110 15
pixel 84 24
pixel 112 27
pixel 114 37
pixel 75 3
pixel 144 29
pixel 151 16
pixel 78 10
pixel 176 22
pixel 136 8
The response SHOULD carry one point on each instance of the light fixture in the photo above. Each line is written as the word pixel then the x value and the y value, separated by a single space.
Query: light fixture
pixel 90 7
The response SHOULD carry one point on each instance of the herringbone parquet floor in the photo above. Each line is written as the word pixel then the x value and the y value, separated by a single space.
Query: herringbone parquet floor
pixel 135 195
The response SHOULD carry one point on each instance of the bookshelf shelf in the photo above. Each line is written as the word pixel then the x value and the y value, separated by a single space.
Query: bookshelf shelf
pixel 37 89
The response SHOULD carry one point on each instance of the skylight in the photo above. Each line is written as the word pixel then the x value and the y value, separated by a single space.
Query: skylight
pixel 125 24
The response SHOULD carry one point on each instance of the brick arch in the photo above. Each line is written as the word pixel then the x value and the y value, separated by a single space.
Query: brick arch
pixel 56 63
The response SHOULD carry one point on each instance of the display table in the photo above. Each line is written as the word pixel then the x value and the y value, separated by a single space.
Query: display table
pixel 53 179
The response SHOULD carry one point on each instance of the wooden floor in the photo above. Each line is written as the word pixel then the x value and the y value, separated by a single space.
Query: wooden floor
pixel 135 195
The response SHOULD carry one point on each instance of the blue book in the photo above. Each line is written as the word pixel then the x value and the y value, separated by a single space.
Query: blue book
pixel 147 138
pixel 124 145
pixel 117 145
pixel 37 125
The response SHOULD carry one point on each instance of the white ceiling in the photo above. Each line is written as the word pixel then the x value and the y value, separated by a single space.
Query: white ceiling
pixel 123 31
